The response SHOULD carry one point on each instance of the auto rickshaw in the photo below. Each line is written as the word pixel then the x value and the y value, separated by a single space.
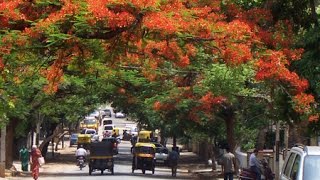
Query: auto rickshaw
pixel 115 132
pixel 145 136
pixel 84 140
pixel 144 157
pixel 101 157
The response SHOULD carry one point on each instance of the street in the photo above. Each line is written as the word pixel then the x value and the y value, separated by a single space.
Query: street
pixel 64 167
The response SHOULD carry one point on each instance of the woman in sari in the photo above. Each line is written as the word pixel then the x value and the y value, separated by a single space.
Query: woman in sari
pixel 35 154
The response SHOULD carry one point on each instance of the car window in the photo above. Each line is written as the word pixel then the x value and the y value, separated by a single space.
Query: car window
pixel 74 135
pixel 90 132
pixel 108 128
pixel 89 121
pixel 289 165
pixel 311 167
pixel 105 122
pixel 295 167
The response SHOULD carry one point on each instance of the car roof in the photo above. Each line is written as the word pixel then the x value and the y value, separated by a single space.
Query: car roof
pixel 90 130
pixel 312 150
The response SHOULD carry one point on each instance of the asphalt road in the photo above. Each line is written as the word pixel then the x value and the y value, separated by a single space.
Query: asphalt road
pixel 67 170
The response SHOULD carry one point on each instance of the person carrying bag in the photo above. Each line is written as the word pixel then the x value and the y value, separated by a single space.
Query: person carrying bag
pixel 35 157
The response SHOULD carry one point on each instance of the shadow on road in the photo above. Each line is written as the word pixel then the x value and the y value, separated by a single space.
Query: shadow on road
pixel 107 174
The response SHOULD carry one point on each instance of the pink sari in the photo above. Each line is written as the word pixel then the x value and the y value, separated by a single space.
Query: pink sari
pixel 35 154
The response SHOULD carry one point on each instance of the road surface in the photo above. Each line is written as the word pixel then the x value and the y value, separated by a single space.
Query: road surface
pixel 67 170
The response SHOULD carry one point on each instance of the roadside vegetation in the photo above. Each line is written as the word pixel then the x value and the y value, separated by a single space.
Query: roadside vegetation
pixel 216 72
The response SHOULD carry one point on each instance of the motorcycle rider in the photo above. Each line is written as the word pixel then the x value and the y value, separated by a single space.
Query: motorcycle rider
pixel 255 165
pixel 81 152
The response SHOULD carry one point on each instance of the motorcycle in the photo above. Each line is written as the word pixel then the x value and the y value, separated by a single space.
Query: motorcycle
pixel 248 174
pixel 81 162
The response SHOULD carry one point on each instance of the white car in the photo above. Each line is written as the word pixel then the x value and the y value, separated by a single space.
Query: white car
pixel 108 129
pixel 302 162
pixel 120 115
pixel 161 156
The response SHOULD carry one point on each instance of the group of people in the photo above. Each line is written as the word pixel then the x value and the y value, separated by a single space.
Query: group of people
pixel 31 158
pixel 229 165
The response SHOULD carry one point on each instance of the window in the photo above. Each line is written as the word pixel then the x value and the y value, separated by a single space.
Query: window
pixel 108 128
pixel 90 132
pixel 74 135
pixel 295 167
pixel 289 164
pixel 311 167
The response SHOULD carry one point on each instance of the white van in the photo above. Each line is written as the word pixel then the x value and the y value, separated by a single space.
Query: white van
pixel 108 129
pixel 107 121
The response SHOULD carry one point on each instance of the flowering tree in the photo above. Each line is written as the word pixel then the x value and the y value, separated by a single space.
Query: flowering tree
pixel 175 41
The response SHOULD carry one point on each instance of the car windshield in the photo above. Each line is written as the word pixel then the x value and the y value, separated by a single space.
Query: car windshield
pixel 89 121
pixel 162 150
pixel 74 135
pixel 90 132
pixel 311 167
pixel 108 128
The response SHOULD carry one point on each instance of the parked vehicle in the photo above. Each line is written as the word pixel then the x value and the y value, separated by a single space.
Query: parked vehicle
pixel 101 157
pixel 143 157
pixel 73 139
pixel 302 163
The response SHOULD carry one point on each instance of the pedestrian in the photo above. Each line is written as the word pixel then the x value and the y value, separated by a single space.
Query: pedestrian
pixel 173 161
pixel 228 164
pixel 255 165
pixel 24 158
pixel 35 165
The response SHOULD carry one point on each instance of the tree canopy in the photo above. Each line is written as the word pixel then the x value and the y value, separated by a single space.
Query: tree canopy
pixel 183 59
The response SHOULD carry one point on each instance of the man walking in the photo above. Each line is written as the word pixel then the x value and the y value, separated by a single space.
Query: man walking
pixel 228 165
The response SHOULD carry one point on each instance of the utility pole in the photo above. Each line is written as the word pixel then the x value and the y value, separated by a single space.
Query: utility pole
pixel 3 151
pixel 277 148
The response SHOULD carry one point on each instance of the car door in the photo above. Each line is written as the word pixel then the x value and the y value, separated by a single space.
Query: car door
pixel 287 167
pixel 295 170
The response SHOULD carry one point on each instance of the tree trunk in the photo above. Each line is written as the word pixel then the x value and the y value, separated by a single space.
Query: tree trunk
pixel 313 13
pixel 261 138
pixel 9 142
pixel 230 131
pixel 45 143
